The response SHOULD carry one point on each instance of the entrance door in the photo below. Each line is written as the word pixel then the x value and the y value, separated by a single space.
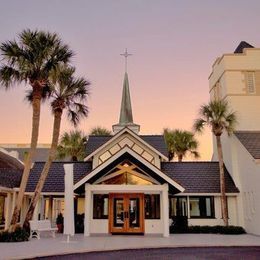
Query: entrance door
pixel 126 213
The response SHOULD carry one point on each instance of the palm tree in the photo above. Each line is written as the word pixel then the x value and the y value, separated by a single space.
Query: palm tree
pixel 68 93
pixel 99 130
pixel 72 144
pixel 30 60
pixel 217 116
pixel 179 142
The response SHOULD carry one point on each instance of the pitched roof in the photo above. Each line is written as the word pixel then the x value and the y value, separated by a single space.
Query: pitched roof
pixel 198 177
pixel 195 177
pixel 10 178
pixel 156 141
pixel 55 179
pixel 251 141
pixel 241 46
pixel 40 155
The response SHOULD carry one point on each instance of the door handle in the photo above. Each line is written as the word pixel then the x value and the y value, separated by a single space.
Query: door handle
pixel 126 214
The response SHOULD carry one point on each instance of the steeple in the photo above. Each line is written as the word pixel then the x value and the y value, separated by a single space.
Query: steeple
pixel 126 115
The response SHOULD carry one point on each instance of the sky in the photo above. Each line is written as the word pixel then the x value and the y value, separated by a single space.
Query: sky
pixel 174 44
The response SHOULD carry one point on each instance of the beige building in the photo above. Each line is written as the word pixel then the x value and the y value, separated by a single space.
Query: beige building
pixel 235 77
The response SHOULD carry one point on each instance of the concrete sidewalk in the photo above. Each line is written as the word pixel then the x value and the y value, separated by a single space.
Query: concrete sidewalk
pixel 47 246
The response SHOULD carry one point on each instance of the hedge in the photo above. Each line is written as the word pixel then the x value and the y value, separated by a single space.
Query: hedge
pixel 19 235
pixel 229 230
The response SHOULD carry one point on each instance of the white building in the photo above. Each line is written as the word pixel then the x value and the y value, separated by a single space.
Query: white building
pixel 236 78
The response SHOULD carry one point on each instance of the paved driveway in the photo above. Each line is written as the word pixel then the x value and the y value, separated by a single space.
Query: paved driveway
pixel 169 253
pixel 48 246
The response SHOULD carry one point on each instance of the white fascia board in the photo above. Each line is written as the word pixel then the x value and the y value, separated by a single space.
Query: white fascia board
pixel 5 189
pixel 126 188
pixel 139 158
pixel 123 131
pixel 205 194
pixel 46 193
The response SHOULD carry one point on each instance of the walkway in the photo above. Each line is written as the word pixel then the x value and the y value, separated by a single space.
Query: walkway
pixel 47 246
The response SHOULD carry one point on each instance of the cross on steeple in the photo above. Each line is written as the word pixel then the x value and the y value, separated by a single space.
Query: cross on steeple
pixel 126 54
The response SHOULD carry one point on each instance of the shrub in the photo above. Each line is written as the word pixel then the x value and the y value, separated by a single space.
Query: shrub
pixel 79 223
pixel 179 224
pixel 19 235
pixel 232 230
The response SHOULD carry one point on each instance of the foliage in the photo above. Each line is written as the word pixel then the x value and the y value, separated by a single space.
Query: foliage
pixel 31 59
pixel 217 116
pixel 179 224
pixel 228 230
pixel 79 223
pixel 72 144
pixel 179 142
pixel 99 130
pixel 19 235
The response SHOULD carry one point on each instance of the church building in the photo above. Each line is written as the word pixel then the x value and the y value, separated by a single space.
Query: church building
pixel 126 184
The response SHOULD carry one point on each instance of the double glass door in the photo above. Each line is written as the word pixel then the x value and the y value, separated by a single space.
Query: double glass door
pixel 126 213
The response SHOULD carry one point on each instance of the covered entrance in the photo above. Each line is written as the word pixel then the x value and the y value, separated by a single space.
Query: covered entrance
pixel 126 213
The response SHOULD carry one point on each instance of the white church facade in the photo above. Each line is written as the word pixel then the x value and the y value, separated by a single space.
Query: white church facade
pixel 127 185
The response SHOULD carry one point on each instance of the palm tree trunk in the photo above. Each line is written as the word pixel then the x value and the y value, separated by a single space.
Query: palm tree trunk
pixel 47 165
pixel 36 105
pixel 180 157
pixel 224 208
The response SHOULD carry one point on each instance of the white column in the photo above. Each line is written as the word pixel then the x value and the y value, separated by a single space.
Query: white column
pixel 87 210
pixel 50 205
pixel 14 201
pixel 36 211
pixel 8 209
pixel 165 203
pixel 42 209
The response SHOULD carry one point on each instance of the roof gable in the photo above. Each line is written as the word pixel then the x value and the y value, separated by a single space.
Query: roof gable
pixel 103 142
pixel 136 158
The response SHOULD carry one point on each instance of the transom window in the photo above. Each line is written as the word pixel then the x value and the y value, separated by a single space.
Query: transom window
pixel 127 173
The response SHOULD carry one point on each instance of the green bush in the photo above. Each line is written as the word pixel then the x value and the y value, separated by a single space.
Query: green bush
pixel 229 230
pixel 19 235
pixel 179 224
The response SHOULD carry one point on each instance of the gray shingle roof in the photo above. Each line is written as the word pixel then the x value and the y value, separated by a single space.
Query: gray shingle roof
pixel 10 178
pixel 156 141
pixel 55 179
pixel 195 177
pixel 251 141
pixel 241 47
pixel 198 177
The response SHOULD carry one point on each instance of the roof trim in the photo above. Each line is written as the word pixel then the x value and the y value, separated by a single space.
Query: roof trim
pixel 12 159
pixel 126 149
pixel 129 131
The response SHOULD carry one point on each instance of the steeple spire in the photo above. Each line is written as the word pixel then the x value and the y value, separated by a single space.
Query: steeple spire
pixel 126 115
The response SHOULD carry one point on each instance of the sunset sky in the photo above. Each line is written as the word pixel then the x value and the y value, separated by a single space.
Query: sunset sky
pixel 174 44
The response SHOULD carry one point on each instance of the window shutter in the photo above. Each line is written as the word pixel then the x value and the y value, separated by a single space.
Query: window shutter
pixel 251 82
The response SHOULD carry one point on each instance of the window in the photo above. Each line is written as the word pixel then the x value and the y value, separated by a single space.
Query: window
pixel 100 206
pixel 152 206
pixel 202 207
pixel 178 206
pixel 251 82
